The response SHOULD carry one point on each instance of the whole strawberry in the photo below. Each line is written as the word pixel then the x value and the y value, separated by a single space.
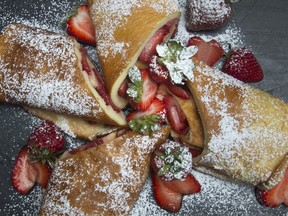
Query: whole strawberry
pixel 243 65
pixel 207 14
pixel 46 142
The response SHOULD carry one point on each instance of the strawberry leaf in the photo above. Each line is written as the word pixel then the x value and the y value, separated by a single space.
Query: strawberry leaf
pixel 145 124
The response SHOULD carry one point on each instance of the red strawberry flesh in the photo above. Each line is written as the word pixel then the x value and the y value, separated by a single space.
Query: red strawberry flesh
pixel 150 48
pixel 43 173
pixel 208 52
pixel 81 26
pixel 274 197
pixel 165 198
pixel 149 92
pixel 23 173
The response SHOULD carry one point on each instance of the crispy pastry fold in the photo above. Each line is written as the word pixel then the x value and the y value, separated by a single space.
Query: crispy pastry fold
pixel 42 69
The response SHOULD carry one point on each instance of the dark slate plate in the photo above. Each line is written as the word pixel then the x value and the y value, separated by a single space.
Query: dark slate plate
pixel 264 28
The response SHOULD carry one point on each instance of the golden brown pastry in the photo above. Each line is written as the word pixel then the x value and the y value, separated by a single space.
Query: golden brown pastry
pixel 42 69
pixel 73 125
pixel 123 30
pixel 246 129
pixel 103 180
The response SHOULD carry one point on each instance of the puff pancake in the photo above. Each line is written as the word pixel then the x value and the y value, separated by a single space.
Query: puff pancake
pixel 123 29
pixel 42 69
pixel 246 129
pixel 104 180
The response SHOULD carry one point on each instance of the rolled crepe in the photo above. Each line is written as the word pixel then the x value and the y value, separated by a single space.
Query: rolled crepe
pixel 246 129
pixel 45 70
pixel 123 30
pixel 103 180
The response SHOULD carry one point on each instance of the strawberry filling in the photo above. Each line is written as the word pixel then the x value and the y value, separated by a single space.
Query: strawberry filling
pixel 96 80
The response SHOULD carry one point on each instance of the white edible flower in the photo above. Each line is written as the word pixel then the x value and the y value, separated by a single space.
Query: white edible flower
pixel 177 60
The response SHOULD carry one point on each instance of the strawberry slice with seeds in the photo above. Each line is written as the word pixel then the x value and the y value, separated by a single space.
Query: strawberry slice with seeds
pixel 165 198
pixel 157 107
pixel 43 173
pixel 208 52
pixel 149 92
pixel 150 48
pixel 243 65
pixel 275 196
pixel 175 115
pixel 23 173
pixel 189 185
pixel 81 26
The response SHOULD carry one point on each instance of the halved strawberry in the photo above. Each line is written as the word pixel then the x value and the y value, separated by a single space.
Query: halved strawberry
pixel 208 52
pixel 43 173
pixel 165 198
pixel 177 90
pixel 81 26
pixel 156 107
pixel 150 48
pixel 189 185
pixel 149 92
pixel 23 173
pixel 122 91
pixel 275 196
pixel 175 115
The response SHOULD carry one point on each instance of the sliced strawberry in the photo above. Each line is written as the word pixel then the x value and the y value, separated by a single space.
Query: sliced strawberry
pixel 157 107
pixel 275 196
pixel 195 152
pixel 81 26
pixel 189 185
pixel 177 90
pixel 23 173
pixel 150 48
pixel 165 198
pixel 208 52
pixel 243 65
pixel 149 91
pixel 43 173
pixel 175 115
pixel 159 73
pixel 122 91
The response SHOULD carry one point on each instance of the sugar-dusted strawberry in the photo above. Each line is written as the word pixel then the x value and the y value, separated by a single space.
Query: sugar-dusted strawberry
pixel 147 121
pixel 164 197
pixel 175 115
pixel 146 91
pixel 159 73
pixel 207 14
pixel 43 173
pixel 275 196
pixel 150 48
pixel 23 173
pixel 208 52
pixel 81 26
pixel 46 142
pixel 243 65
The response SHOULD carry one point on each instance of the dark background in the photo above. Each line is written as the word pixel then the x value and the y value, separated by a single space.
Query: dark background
pixel 265 27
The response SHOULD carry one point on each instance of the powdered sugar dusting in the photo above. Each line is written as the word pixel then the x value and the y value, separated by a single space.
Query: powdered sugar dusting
pixel 118 13
pixel 115 187
pixel 53 55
